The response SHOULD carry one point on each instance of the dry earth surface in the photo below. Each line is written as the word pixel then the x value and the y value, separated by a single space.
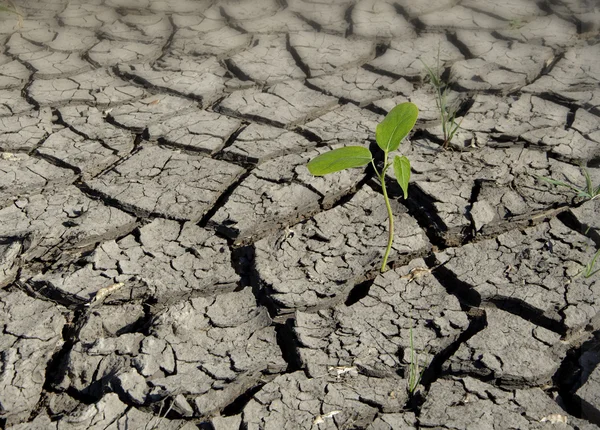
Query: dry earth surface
pixel 167 261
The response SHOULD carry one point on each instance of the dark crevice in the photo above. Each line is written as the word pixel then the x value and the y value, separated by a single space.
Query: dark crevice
pixel 470 233
pixel 544 6
pixel 348 18
pixel 297 59
pixel 86 57
pixel 572 375
pixel 230 141
pixel 46 290
pixel 359 292
pixel 465 105
pixel 59 120
pixel 568 219
pixel 58 162
pixel 244 264
pixel 487 13
pixel 131 77
pixel 503 37
pixel 182 147
pixel 527 312
pixel 110 201
pixel 167 46
pixel 594 162
pixel 222 199
pixel 25 91
pixel 26 150
pixel 310 22
pixel 381 49
pixel 463 49
pixel 344 196
pixel 248 117
pixel 419 26
pixel 288 343
pixel 310 136
pixel 548 67
pixel 470 297
pixel 142 131
pixel 583 26
pixel 402 12
pixel 142 324
pixel 433 372
pixel 313 87
pixel 237 406
pixel 559 157
pixel 464 291
pixel 242 260
pixel 264 297
pixel 372 107
pixel 230 22
pixel 421 207
pixel 557 99
pixel 56 364
pixel 370 68
pixel 236 71
pixel 28 98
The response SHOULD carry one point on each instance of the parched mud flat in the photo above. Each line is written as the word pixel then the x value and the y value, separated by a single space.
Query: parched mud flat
pixel 167 261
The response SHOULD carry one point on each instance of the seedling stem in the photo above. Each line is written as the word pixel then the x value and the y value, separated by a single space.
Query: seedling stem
pixel 389 134
pixel 381 177
pixel 447 113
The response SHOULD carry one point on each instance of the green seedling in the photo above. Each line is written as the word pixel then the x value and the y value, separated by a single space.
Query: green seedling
pixel 589 192
pixel 415 373
pixel 515 24
pixel 389 134
pixel 11 8
pixel 589 269
pixel 4 8
pixel 447 111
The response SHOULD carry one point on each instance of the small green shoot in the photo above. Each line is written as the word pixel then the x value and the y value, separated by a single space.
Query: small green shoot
pixel 515 24
pixel 389 134
pixel 12 9
pixel 447 112
pixel 589 192
pixel 415 373
pixel 589 269
pixel 7 9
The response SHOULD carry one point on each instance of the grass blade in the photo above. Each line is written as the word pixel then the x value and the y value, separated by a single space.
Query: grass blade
pixel 558 183
pixel 589 186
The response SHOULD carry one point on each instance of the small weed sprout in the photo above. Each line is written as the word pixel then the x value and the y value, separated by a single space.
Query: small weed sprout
pixel 11 8
pixel 447 112
pixel 588 192
pixel 415 373
pixel 389 134
pixel 156 425
pixel 589 269
pixel 515 24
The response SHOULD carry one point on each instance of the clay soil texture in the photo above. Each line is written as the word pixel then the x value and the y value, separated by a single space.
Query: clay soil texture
pixel 168 262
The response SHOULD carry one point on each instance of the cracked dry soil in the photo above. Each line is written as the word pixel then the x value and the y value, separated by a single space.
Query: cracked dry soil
pixel 167 261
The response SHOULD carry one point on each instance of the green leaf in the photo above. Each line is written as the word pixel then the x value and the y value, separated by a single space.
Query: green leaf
pixel 402 171
pixel 339 159
pixel 7 9
pixel 396 126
